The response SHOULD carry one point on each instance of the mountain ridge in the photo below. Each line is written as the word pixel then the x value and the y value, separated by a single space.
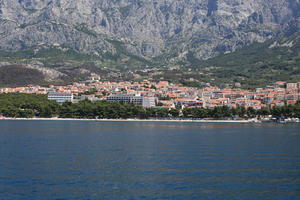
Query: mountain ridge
pixel 118 39
pixel 147 28
pixel 253 66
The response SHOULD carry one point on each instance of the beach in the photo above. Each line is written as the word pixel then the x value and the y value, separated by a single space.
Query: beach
pixel 134 120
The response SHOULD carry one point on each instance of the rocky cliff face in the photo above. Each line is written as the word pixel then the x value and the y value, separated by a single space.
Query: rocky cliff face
pixel 147 28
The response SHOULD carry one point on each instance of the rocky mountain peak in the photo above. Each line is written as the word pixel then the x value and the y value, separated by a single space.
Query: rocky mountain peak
pixel 146 28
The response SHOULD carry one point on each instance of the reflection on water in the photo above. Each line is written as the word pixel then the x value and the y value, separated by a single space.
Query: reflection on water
pixel 147 160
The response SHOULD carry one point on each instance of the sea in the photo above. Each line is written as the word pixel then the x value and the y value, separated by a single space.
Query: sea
pixel 89 160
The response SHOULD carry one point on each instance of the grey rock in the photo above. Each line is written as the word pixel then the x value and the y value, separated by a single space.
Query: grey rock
pixel 148 28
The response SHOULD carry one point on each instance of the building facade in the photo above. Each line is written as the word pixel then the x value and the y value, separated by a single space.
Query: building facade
pixel 60 97
pixel 137 99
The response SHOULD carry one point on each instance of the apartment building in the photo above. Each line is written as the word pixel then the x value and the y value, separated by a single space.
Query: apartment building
pixel 60 97
pixel 137 99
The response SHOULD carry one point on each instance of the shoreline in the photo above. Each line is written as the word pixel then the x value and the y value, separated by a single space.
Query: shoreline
pixel 131 120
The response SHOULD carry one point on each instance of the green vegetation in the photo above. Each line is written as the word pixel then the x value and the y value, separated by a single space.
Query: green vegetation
pixel 164 98
pixel 83 28
pixel 27 105
pixel 91 91
pixel 48 56
pixel 122 51
pixel 240 112
pixel 32 105
pixel 16 75
pixel 16 55
pixel 256 65
pixel 253 66
pixel 68 58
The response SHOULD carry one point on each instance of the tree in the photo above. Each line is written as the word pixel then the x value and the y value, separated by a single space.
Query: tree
pixel 241 111
pixel 251 112
pixel 174 112
pixel 276 111
pixel 47 111
pixel 159 103
pixel 187 113
pixel 200 113
pixel 264 112
pixel 163 112
pixel 26 113
pixel 153 87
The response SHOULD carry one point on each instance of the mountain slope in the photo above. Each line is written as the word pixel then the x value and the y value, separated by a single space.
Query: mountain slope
pixel 147 28
pixel 219 41
pixel 255 65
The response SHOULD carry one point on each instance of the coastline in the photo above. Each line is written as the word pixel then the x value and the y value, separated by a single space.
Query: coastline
pixel 132 120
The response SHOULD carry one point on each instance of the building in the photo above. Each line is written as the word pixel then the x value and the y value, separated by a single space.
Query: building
pixel 132 99
pixel 126 98
pixel 280 84
pixel 149 102
pixel 186 102
pixel 60 97
pixel 292 86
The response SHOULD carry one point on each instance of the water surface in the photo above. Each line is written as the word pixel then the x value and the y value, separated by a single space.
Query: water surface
pixel 148 160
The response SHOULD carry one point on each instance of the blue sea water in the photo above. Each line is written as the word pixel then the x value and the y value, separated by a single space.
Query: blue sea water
pixel 148 160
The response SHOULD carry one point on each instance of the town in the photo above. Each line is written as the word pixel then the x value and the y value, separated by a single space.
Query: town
pixel 167 95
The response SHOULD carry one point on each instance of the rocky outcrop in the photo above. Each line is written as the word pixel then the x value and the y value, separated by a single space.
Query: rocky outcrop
pixel 147 28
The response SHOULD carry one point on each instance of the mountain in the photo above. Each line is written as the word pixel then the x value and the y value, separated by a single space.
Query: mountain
pixel 255 65
pixel 133 33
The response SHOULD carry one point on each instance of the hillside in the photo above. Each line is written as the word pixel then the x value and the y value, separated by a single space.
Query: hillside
pixel 253 66
pixel 256 65
pixel 217 41
pixel 144 28
pixel 259 63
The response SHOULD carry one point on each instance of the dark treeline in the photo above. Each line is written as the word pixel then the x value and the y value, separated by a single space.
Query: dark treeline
pixel 27 105
pixel 32 105
pixel 224 112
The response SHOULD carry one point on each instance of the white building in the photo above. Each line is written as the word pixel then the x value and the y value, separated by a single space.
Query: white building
pixel 133 99
pixel 291 85
pixel 149 102
pixel 60 97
